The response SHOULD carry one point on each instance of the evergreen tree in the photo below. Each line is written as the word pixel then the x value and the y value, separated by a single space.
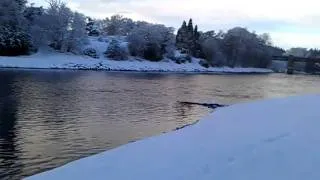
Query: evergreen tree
pixel 196 33
pixel 181 36
pixel 197 50
pixel 91 27
pixel 190 26
pixel 181 31
pixel 188 39
pixel 184 25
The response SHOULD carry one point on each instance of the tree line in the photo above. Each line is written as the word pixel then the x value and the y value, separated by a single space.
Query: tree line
pixel 25 28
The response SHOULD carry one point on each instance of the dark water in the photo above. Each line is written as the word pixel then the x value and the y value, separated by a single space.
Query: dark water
pixel 49 117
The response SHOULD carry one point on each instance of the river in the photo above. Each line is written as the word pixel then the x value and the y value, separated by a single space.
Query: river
pixel 51 117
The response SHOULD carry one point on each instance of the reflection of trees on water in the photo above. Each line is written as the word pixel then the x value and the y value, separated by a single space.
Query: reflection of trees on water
pixel 8 134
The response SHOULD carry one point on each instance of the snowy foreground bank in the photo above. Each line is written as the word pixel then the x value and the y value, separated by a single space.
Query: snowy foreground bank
pixel 267 140
pixel 51 60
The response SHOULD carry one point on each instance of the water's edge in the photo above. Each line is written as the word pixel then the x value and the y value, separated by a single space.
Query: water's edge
pixel 143 71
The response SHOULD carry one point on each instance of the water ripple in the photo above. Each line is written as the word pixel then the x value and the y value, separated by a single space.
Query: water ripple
pixel 49 118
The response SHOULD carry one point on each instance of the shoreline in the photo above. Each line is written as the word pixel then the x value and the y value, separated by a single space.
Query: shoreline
pixel 54 60
pixel 143 71
pixel 222 145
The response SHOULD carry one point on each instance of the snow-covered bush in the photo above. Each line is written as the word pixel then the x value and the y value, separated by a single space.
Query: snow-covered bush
pixel 150 41
pixel 14 38
pixel 182 58
pixel 100 39
pixel 91 52
pixel 115 51
pixel 14 42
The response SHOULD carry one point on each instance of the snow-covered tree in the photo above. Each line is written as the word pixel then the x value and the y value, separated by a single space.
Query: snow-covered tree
pixel 266 39
pixel 207 35
pixel 313 53
pixel 243 48
pixel 182 37
pixel 187 39
pixel 212 50
pixel 150 41
pixel 118 25
pixel 11 13
pixel 31 13
pixel 14 39
pixel 61 28
pixel 76 35
pixel 55 23
pixel 92 27
pixel 115 51
pixel 33 16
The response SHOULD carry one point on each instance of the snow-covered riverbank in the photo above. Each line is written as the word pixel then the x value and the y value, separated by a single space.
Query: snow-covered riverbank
pixel 52 60
pixel 47 58
pixel 271 139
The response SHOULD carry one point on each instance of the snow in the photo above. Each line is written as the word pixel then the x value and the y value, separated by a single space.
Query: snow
pixel 51 60
pixel 48 59
pixel 270 139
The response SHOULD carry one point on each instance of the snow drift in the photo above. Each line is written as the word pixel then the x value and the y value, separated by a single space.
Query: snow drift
pixel 273 139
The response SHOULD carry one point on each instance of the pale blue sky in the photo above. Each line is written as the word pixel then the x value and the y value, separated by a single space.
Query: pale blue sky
pixel 290 23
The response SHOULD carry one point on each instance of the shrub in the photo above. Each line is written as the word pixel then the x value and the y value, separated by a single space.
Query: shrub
pixel 182 58
pixel 91 52
pixel 115 51
pixel 14 42
pixel 204 63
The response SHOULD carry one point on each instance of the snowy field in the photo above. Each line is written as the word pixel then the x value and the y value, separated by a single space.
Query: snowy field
pixel 265 140
pixel 48 59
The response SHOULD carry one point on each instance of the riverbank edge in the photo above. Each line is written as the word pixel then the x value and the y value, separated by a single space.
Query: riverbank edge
pixel 146 71
pixel 70 167
pixel 54 60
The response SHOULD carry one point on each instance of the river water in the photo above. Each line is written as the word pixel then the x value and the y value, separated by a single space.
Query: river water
pixel 51 117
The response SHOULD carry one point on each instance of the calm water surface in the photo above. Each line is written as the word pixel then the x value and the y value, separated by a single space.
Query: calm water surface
pixel 51 117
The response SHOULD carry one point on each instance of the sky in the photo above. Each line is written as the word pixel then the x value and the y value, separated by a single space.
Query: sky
pixel 290 23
